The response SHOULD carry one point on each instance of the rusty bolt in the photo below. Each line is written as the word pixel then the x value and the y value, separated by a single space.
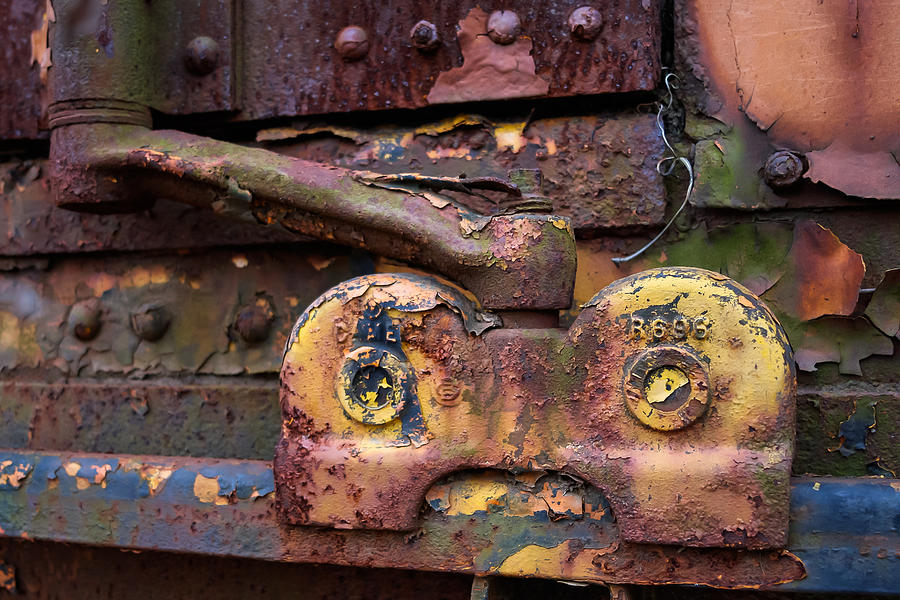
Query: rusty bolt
pixel 84 319
pixel 352 42
pixel 503 26
pixel 424 36
pixel 202 55
pixel 150 322
pixel 783 169
pixel 585 23
pixel 254 321
pixel 529 182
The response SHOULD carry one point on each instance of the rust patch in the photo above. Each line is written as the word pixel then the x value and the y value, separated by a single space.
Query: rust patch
pixel 753 54
pixel 823 275
pixel 490 71
pixel 838 339
pixel 13 474
pixel 856 173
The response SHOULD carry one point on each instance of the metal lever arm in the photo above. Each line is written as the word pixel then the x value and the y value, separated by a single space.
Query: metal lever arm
pixel 517 261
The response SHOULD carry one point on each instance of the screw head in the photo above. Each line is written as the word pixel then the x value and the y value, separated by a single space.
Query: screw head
pixel 352 42
pixel 783 169
pixel 150 322
pixel 585 23
pixel 504 26
pixel 424 36
pixel 254 321
pixel 202 55
pixel 84 319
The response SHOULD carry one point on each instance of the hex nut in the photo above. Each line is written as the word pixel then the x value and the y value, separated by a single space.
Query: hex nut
pixel 425 37
pixel 84 319
pixel 253 322
pixel 352 42
pixel 783 169
pixel 202 55
pixel 585 23
pixel 504 26
pixel 150 322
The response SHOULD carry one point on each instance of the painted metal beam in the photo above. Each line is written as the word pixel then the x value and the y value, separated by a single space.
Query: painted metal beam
pixel 845 531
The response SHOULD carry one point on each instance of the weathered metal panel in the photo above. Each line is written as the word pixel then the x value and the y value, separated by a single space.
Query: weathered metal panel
pixel 32 224
pixel 847 533
pixel 221 312
pixel 48 571
pixel 291 66
pixel 222 419
pixel 225 508
pixel 843 530
pixel 23 40
pixel 599 170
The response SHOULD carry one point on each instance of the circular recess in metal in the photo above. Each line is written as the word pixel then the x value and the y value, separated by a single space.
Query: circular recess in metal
pixel 372 385
pixel 666 388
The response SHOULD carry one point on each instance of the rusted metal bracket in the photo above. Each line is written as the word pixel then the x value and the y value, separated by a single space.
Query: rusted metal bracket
pixel 671 394
pixel 105 157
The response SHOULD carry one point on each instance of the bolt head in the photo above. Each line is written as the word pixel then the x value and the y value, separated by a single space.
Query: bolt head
pixel 150 322
pixel 84 319
pixel 424 36
pixel 783 169
pixel 585 23
pixel 503 26
pixel 202 55
pixel 254 321
pixel 352 43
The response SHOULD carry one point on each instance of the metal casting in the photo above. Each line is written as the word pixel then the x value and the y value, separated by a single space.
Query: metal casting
pixel 672 393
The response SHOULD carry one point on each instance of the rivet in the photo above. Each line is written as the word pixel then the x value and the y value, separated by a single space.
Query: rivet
pixel 352 42
pixel 202 55
pixel 84 319
pixel 150 322
pixel 254 321
pixel 503 26
pixel 424 36
pixel 783 169
pixel 585 23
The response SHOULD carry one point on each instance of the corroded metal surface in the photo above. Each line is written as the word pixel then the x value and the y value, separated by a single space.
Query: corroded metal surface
pixel 225 508
pixel 222 418
pixel 486 523
pixel 141 52
pixel 394 74
pixel 598 170
pixel 33 224
pixel 45 309
pixel 516 260
pixel 544 399
pixel 88 572
pixel 23 43
pixel 241 419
